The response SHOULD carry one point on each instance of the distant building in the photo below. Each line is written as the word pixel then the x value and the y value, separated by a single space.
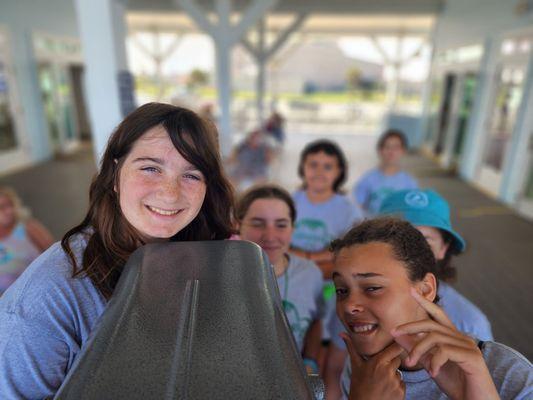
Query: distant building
pixel 317 65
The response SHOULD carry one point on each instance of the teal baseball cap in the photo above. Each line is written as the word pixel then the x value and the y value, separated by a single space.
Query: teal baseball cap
pixel 424 208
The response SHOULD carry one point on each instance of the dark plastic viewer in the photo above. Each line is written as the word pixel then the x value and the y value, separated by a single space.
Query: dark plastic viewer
pixel 193 321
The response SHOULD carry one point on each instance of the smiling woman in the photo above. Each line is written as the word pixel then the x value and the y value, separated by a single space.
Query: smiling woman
pixel 160 179
pixel 265 215
pixel 161 192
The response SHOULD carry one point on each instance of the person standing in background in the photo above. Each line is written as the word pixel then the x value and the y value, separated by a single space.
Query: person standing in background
pixel 388 177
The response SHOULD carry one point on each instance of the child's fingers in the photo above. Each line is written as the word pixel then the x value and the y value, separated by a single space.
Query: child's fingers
pixel 464 358
pixel 390 353
pixel 396 362
pixel 422 326
pixel 438 359
pixel 354 356
pixel 432 342
pixel 432 309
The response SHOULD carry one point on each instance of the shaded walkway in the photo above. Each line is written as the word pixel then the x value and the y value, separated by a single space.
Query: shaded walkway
pixel 496 272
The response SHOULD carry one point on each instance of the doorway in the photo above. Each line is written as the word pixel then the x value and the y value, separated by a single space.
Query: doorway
pixel 501 124
pixel 64 105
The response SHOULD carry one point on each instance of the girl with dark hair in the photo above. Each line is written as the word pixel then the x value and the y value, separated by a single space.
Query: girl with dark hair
pixel 323 214
pixel 401 344
pixel 160 179
pixel 430 214
pixel 265 215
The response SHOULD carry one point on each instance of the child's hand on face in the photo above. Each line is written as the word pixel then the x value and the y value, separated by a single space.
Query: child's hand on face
pixel 378 377
pixel 451 357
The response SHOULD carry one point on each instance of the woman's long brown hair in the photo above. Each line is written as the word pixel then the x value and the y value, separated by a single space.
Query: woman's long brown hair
pixel 112 239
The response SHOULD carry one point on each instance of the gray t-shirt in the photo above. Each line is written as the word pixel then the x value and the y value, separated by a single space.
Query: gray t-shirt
pixel 511 372
pixel 317 224
pixel 45 318
pixel 300 288
pixel 374 186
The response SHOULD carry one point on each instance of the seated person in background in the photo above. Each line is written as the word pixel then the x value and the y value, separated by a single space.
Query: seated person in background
pixel 250 161
pixel 401 344
pixel 323 214
pixel 274 127
pixel 266 215
pixel 388 177
pixel 323 211
pixel 21 239
pixel 207 112
pixel 430 214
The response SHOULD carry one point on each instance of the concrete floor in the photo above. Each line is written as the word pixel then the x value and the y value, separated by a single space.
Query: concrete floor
pixel 495 272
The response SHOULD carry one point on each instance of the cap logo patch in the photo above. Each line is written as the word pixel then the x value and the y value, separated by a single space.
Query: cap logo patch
pixel 416 199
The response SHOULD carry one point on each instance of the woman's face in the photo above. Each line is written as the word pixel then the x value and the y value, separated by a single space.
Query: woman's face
pixel 160 192
pixel 373 295
pixel 268 223
pixel 7 212
pixel 435 241
pixel 320 171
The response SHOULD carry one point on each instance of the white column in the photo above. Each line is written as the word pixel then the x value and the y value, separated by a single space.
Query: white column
pixel 102 33
pixel 477 127
pixel 521 144
pixel 225 36
pixel 262 55
pixel 426 94
pixel 261 61
pixel 394 85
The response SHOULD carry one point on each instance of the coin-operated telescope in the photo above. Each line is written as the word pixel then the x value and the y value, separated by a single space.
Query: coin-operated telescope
pixel 193 321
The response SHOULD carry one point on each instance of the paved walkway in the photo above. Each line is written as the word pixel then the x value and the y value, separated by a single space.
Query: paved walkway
pixel 496 271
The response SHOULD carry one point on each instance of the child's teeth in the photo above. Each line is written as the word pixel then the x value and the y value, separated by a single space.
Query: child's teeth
pixel 363 328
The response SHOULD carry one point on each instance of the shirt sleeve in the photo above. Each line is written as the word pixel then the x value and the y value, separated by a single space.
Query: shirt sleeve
pixel 335 328
pixel 345 380
pixel 33 362
pixel 361 192
pixel 412 183
pixel 477 324
pixel 355 214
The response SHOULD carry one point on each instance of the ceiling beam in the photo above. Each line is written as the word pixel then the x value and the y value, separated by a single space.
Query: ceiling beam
pixel 329 7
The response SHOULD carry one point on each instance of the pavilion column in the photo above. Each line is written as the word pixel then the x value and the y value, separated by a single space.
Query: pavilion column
pixel 109 84
pixel 225 35
pixel 262 54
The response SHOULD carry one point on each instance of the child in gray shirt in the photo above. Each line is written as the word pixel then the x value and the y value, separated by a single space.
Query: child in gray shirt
pixel 401 344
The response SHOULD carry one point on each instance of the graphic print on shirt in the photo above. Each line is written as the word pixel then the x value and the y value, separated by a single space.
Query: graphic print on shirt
pixel 311 234
pixel 298 324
